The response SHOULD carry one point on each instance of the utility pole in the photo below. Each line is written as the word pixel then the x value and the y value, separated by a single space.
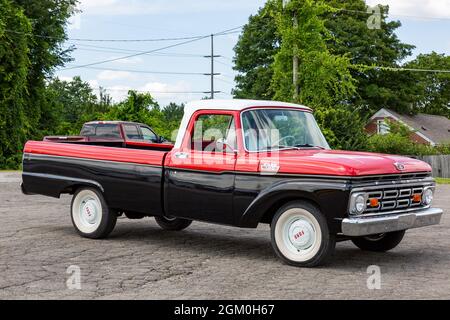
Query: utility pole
pixel 295 60
pixel 295 64
pixel 212 74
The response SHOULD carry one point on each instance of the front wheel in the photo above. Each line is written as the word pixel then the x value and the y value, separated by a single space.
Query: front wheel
pixel 172 224
pixel 90 214
pixel 380 242
pixel 300 235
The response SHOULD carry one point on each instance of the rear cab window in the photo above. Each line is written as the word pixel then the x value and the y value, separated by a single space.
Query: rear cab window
pixel 106 131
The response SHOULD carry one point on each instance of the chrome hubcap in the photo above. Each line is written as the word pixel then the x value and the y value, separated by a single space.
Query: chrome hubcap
pixel 89 211
pixel 300 234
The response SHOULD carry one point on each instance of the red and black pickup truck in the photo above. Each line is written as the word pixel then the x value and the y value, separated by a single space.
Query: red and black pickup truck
pixel 115 134
pixel 242 163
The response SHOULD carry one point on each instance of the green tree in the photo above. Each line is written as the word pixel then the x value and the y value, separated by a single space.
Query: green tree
pixel 324 79
pixel 14 64
pixel 46 52
pixel 68 104
pixel 349 36
pixel 364 46
pixel 433 89
pixel 254 55
pixel 343 128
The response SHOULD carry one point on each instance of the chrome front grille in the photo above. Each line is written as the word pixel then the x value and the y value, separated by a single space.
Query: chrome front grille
pixel 394 198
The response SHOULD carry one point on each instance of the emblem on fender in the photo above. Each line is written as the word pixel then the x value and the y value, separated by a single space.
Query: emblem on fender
pixel 399 166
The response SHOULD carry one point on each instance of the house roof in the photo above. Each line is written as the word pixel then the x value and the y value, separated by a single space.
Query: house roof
pixel 435 128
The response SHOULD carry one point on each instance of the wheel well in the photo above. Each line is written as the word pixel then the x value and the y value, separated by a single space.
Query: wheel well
pixel 72 189
pixel 272 210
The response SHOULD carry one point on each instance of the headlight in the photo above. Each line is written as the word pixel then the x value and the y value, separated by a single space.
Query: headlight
pixel 428 195
pixel 358 203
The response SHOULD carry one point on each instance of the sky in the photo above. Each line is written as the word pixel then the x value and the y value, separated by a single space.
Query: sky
pixel 177 74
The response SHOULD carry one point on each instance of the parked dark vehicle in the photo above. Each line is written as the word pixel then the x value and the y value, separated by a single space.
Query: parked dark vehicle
pixel 241 163
pixel 114 134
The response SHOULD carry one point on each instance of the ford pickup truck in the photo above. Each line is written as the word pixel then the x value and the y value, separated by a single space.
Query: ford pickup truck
pixel 114 134
pixel 242 163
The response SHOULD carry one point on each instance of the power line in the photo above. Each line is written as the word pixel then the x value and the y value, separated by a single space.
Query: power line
pixel 106 40
pixel 148 91
pixel 147 72
pixel 152 51
pixel 197 37
pixel 393 14
pixel 399 69
pixel 132 55
pixel 121 50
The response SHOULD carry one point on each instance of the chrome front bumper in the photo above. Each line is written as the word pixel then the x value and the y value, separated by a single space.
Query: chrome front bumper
pixel 364 226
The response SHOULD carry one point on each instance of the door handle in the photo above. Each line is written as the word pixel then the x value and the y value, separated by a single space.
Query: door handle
pixel 181 155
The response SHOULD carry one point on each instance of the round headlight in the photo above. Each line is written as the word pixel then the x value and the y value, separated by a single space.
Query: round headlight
pixel 428 196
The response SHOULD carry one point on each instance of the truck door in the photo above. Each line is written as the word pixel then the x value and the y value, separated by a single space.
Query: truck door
pixel 200 175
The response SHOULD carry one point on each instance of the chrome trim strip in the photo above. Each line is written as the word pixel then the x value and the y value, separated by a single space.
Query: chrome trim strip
pixel 363 226
pixel 397 184
pixel 56 177
pixel 33 156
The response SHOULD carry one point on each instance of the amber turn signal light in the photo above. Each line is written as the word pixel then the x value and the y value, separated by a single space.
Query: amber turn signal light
pixel 417 198
pixel 374 203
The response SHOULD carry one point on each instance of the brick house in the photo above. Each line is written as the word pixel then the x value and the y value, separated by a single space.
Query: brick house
pixel 427 129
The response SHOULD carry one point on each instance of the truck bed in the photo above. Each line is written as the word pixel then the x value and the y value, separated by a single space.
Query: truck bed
pixel 129 178
pixel 114 143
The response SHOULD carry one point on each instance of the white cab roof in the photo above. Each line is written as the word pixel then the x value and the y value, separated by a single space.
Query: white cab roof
pixel 234 105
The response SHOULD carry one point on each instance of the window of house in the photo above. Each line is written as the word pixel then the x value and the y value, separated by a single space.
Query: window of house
pixel 382 127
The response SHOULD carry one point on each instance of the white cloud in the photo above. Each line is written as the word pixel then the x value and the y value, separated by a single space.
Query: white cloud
pixel 165 92
pixel 141 7
pixel 94 84
pixel 417 8
pixel 67 79
pixel 110 75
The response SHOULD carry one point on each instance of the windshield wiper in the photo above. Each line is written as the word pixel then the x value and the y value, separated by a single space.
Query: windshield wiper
pixel 308 145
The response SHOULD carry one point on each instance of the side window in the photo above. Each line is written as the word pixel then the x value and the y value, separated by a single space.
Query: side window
pixel 214 133
pixel 148 134
pixel 132 132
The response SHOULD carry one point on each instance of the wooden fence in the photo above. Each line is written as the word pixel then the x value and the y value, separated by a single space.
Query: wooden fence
pixel 440 165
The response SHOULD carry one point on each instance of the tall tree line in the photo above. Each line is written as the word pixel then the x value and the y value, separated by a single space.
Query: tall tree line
pixel 338 54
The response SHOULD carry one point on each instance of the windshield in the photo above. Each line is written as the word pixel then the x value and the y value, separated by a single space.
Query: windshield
pixel 270 129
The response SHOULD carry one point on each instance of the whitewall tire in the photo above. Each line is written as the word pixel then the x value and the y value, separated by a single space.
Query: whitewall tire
pixel 300 235
pixel 90 214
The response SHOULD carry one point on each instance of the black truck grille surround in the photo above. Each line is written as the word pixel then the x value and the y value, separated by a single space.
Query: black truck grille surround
pixel 394 198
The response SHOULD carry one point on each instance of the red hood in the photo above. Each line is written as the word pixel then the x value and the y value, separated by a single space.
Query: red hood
pixel 345 163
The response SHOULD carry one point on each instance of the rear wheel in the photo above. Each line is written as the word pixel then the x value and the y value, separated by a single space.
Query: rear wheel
pixel 380 242
pixel 90 214
pixel 300 235
pixel 172 224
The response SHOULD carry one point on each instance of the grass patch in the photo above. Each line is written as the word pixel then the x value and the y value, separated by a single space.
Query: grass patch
pixel 443 180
